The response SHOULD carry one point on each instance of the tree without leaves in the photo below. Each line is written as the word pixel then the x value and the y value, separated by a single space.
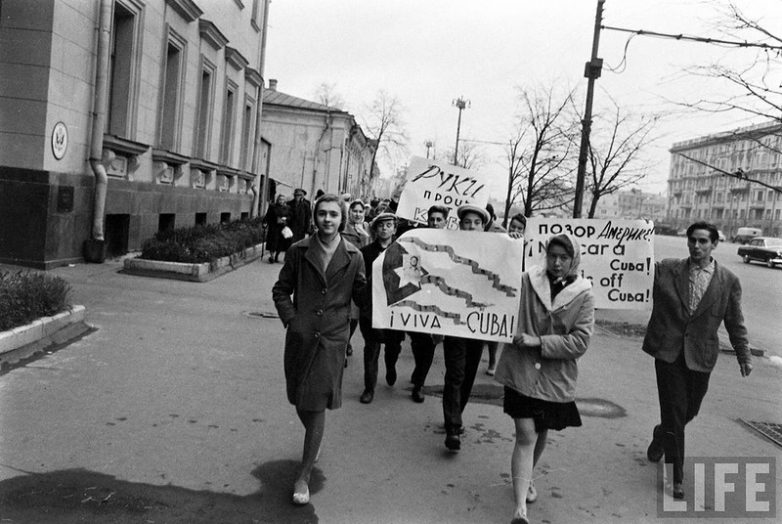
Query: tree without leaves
pixel 327 95
pixel 540 167
pixel 614 153
pixel 755 86
pixel 470 155
pixel 384 124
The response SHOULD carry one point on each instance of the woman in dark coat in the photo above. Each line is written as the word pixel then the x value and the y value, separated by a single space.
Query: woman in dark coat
pixel 276 219
pixel 323 272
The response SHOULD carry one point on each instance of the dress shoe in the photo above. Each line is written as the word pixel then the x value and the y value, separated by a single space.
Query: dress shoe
pixel 656 450
pixel 418 394
pixel 453 442
pixel 678 491
pixel 366 397
pixel 391 375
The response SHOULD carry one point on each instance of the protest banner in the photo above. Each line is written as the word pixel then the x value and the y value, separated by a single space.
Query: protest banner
pixel 458 283
pixel 430 182
pixel 616 255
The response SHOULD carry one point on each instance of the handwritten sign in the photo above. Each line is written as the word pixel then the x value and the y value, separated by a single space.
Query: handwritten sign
pixel 459 283
pixel 616 255
pixel 432 182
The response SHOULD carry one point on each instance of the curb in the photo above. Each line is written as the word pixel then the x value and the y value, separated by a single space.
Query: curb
pixel 203 272
pixel 38 336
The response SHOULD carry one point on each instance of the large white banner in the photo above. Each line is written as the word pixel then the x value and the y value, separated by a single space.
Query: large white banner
pixel 616 255
pixel 459 283
pixel 430 182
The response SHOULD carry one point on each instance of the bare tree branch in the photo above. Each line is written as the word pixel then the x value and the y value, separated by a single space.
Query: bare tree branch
pixel 540 167
pixel 614 154
pixel 384 124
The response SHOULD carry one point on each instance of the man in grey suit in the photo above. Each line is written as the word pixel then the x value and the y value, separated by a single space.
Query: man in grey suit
pixel 692 297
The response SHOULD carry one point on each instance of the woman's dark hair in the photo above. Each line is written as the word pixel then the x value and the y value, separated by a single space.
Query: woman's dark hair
pixel 714 234
pixel 328 197
pixel 564 241
pixel 519 217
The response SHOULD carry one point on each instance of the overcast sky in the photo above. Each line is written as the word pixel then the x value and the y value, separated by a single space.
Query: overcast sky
pixel 429 52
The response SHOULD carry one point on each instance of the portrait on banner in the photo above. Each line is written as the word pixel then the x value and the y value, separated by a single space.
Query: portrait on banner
pixel 457 283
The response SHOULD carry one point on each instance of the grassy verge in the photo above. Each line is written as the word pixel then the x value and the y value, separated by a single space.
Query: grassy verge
pixel 199 244
pixel 26 296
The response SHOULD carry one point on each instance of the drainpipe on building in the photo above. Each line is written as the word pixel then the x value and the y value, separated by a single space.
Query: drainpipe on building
pixel 260 194
pixel 95 247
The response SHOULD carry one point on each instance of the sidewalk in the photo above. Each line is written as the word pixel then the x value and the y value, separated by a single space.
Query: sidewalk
pixel 180 397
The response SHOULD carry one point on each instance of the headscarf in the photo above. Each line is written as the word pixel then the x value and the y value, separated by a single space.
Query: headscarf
pixel 573 248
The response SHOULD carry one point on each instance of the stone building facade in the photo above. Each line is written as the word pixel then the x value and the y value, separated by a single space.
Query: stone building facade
pixel 732 179
pixel 314 146
pixel 632 203
pixel 179 144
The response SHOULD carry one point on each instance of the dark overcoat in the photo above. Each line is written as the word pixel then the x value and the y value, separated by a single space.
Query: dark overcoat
pixel 277 217
pixel 673 330
pixel 317 319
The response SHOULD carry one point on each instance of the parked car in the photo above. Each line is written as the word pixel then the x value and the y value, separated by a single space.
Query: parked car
pixel 763 249
pixel 745 234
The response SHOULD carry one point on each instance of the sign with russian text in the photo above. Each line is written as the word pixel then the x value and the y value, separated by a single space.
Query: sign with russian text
pixel 459 283
pixel 430 182
pixel 616 255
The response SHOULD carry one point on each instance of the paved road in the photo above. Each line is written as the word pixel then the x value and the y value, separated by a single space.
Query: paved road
pixel 174 411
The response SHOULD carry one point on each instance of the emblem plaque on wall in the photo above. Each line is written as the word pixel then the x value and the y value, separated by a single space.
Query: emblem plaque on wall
pixel 59 140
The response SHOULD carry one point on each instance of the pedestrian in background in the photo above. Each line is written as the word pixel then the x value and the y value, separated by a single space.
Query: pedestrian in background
pixel 301 215
pixel 276 220
pixel 462 355
pixel 383 229
pixel 556 318
pixel 692 297
pixel 423 344
pixel 322 273
pixel 356 233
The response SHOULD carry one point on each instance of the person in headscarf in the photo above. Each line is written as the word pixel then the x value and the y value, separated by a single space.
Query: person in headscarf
pixel 356 232
pixel 539 371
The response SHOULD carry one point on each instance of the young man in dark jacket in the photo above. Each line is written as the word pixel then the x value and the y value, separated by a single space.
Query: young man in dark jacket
pixel 383 229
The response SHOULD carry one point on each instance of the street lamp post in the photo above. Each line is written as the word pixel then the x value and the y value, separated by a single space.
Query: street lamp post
pixel 461 104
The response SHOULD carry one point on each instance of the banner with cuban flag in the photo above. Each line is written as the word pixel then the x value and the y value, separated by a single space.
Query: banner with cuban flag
pixel 458 283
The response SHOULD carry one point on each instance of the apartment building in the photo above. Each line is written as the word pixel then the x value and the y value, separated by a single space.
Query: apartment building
pixel 732 179
pixel 119 118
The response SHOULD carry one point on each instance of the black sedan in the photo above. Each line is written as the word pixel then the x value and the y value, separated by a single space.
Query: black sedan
pixel 763 249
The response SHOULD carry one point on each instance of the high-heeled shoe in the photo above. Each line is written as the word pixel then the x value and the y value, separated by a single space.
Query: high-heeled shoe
pixel 301 495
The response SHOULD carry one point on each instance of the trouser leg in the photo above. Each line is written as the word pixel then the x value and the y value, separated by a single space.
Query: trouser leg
pixel 454 353
pixel 393 346
pixel 371 354
pixel 672 390
pixel 474 351
pixel 423 354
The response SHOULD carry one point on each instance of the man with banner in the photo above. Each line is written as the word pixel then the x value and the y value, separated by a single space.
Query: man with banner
pixel 423 344
pixel 383 228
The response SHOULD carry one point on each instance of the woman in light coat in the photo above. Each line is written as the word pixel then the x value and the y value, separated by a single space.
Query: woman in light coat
pixel 539 370
pixel 323 273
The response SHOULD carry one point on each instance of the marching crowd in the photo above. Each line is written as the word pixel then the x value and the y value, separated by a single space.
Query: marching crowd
pixel 324 292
